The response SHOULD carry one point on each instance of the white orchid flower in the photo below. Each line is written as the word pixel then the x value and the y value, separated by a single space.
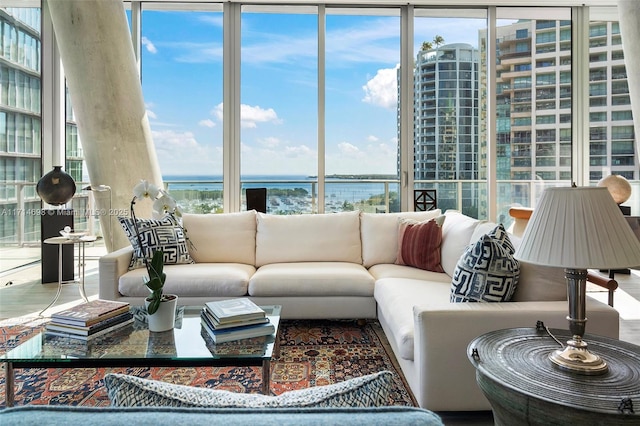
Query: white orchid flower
pixel 164 204
pixel 145 189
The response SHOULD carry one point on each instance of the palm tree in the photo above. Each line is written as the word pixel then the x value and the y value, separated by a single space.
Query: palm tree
pixel 427 45
pixel 438 40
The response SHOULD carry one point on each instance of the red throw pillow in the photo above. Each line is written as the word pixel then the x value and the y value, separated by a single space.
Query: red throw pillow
pixel 419 243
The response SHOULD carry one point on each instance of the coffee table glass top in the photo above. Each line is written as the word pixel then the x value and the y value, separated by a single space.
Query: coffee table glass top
pixel 187 341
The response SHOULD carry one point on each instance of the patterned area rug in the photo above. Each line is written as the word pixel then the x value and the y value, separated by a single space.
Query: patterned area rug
pixel 312 353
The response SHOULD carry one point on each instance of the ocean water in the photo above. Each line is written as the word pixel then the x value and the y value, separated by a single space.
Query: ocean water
pixel 337 190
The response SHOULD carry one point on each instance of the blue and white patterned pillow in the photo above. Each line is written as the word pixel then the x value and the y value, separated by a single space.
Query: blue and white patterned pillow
pixel 164 234
pixel 129 391
pixel 487 270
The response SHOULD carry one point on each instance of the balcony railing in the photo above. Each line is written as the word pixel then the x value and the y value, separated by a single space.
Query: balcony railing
pixel 21 226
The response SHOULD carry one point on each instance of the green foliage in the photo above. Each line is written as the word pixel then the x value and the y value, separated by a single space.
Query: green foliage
pixel 155 282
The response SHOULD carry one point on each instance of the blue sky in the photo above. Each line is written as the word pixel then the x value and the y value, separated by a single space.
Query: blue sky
pixel 182 84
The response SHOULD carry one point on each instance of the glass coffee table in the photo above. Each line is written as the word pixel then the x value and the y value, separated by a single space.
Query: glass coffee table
pixel 187 345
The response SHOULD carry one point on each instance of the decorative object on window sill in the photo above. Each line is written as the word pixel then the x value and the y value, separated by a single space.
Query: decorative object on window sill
pixel 620 189
pixel 56 187
pixel 578 229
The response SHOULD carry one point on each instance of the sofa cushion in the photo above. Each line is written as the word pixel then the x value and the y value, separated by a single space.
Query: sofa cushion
pixel 456 236
pixel 67 415
pixel 487 271
pixel 401 271
pixel 396 298
pixel 366 391
pixel 225 237
pixel 380 234
pixel 311 279
pixel 163 234
pixel 331 237
pixel 198 280
pixel 540 283
pixel 419 243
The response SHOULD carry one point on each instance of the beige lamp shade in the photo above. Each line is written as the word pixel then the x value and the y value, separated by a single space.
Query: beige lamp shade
pixel 579 228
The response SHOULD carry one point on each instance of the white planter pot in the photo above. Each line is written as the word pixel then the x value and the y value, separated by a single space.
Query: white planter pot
pixel 164 318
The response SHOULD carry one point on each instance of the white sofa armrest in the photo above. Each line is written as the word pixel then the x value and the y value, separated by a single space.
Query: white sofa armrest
pixel 443 333
pixel 111 267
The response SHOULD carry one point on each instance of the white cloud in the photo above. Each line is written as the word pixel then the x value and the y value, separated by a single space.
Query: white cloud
pixel 297 151
pixel 348 149
pixel 250 116
pixel 372 138
pixel 382 89
pixel 151 48
pixel 207 123
pixel 152 115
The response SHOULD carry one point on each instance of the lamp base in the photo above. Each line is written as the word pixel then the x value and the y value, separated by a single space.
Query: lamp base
pixel 576 358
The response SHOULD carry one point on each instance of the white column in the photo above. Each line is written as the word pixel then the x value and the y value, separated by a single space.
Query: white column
pixel 104 84
pixel 629 15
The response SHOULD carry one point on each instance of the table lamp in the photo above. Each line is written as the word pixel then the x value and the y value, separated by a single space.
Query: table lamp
pixel 578 228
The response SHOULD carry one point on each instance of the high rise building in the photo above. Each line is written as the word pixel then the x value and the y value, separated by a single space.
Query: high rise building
pixel 446 117
pixel 533 111
pixel 20 123
pixel 21 129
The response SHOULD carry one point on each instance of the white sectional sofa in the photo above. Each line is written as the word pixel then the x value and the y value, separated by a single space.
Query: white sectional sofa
pixel 342 265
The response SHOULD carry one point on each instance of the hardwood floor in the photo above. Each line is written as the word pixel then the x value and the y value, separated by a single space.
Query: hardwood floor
pixel 22 295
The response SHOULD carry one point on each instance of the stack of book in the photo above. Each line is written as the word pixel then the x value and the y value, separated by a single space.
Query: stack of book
pixel 90 320
pixel 235 319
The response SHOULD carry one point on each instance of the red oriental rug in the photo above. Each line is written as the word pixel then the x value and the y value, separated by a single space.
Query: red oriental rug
pixel 312 353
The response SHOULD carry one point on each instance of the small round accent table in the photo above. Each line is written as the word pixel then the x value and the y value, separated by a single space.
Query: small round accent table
pixel 514 372
pixel 61 241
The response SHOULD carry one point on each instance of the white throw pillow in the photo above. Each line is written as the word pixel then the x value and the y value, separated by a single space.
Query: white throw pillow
pixel 130 391
pixel 456 236
pixel 380 234
pixel 330 237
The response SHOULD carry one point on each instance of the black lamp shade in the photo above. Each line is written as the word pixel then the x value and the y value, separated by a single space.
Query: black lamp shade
pixel 56 187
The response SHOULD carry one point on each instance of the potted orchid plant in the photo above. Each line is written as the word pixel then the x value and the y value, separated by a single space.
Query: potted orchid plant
pixel 163 205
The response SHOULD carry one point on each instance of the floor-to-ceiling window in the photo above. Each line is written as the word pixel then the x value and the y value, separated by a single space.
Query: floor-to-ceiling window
pixel 362 52
pixel 279 105
pixel 449 147
pixel 294 59
pixel 181 57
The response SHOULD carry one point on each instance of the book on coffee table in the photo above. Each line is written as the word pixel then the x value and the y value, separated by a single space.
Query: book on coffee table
pixel 91 329
pixel 89 313
pixel 88 337
pixel 236 333
pixel 234 310
pixel 217 326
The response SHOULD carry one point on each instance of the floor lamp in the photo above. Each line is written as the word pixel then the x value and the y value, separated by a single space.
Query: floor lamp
pixel 104 188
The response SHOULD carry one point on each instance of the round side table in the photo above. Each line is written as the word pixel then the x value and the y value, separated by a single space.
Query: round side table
pixel 514 372
pixel 61 241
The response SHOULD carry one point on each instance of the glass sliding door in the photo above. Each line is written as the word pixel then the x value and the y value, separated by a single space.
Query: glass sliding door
pixel 181 56
pixel 362 110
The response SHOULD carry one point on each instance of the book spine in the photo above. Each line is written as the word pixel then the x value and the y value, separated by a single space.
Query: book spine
pixel 222 336
pixel 87 322
pixel 92 336
pixel 86 331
